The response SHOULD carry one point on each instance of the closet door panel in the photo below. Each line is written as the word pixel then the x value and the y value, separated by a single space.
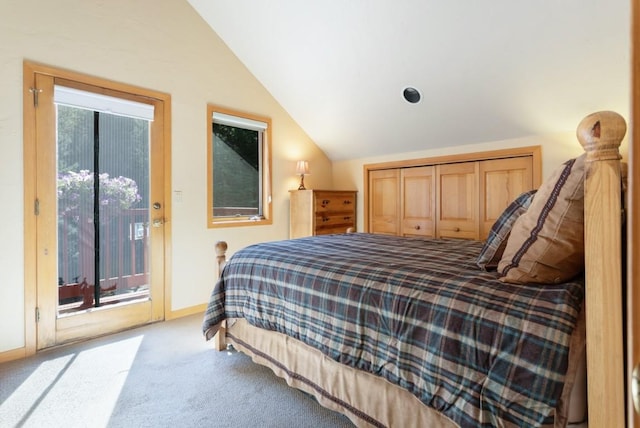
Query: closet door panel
pixel 457 207
pixel 501 181
pixel 418 189
pixel 384 201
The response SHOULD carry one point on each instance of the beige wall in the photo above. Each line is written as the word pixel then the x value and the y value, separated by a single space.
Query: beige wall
pixel 164 46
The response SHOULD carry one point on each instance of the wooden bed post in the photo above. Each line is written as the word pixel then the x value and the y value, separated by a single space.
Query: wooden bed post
pixel 221 255
pixel 221 259
pixel 601 134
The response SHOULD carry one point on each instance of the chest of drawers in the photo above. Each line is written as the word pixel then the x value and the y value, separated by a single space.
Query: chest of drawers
pixel 321 212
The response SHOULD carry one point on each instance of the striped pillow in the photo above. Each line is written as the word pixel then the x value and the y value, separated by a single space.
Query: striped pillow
pixel 546 244
pixel 496 242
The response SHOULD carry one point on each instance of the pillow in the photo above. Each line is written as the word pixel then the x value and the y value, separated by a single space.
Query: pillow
pixel 546 244
pixel 493 247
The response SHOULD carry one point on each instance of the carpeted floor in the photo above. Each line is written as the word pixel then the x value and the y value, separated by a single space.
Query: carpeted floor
pixel 162 375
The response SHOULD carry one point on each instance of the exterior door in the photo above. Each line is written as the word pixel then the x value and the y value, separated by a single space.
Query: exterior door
pixel 99 209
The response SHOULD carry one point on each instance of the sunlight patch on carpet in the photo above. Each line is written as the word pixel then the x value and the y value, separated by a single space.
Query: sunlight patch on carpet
pixel 73 389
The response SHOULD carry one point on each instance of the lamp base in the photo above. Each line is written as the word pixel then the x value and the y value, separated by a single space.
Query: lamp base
pixel 301 187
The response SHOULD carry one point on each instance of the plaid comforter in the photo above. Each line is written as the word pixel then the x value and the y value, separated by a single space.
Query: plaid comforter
pixel 417 312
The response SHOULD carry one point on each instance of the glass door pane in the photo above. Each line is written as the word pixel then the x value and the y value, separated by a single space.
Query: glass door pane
pixel 105 239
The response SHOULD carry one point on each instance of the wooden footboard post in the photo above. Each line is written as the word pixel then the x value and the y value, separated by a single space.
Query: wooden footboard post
pixel 601 134
pixel 221 259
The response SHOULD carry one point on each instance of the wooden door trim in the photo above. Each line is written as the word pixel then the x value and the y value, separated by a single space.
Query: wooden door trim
pixel 30 69
pixel 29 154
pixel 633 219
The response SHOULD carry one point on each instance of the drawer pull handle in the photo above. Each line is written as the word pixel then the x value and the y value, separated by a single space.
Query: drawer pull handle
pixel 456 229
pixel 346 202
pixel 346 218
pixel 417 227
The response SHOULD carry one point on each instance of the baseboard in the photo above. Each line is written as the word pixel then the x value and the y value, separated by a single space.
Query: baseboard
pixel 14 354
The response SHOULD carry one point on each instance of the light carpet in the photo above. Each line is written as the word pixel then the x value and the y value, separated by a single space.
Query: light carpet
pixel 160 375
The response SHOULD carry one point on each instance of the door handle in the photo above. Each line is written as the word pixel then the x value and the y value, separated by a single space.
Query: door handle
pixel 157 222
pixel 635 388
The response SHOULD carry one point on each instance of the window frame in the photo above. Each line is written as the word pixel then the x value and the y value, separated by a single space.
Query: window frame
pixel 265 150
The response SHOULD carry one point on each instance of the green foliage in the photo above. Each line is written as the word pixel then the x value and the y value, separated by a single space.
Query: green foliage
pixel 76 190
pixel 123 145
pixel 243 141
pixel 236 170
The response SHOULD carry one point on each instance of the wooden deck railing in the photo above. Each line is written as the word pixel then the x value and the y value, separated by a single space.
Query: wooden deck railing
pixel 124 261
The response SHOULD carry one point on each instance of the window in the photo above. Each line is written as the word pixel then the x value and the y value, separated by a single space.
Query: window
pixel 239 168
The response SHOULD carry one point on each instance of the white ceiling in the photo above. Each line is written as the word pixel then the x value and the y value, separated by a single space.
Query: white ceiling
pixel 487 70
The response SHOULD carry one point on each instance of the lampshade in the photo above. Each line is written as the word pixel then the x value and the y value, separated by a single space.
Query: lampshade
pixel 302 167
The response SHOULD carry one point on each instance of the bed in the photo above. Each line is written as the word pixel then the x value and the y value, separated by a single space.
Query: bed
pixel 395 331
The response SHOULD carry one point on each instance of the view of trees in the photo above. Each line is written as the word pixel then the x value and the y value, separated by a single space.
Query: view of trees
pixel 123 146
pixel 236 170
pixel 122 149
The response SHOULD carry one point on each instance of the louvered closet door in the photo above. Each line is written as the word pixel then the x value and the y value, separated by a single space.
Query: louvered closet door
pixel 457 207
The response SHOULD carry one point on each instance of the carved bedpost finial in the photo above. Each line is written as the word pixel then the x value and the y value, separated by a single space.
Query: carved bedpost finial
pixel 221 248
pixel 600 134
pixel 221 258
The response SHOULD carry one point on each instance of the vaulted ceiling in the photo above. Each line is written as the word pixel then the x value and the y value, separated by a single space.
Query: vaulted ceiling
pixel 486 71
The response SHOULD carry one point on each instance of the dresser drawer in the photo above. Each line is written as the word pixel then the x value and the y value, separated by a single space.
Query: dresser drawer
pixel 333 219
pixel 333 202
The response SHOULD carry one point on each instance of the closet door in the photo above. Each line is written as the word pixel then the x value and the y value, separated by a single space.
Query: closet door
pixel 457 206
pixel 501 181
pixel 417 201
pixel 384 201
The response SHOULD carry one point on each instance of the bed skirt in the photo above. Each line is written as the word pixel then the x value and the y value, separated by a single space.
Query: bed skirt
pixel 348 391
